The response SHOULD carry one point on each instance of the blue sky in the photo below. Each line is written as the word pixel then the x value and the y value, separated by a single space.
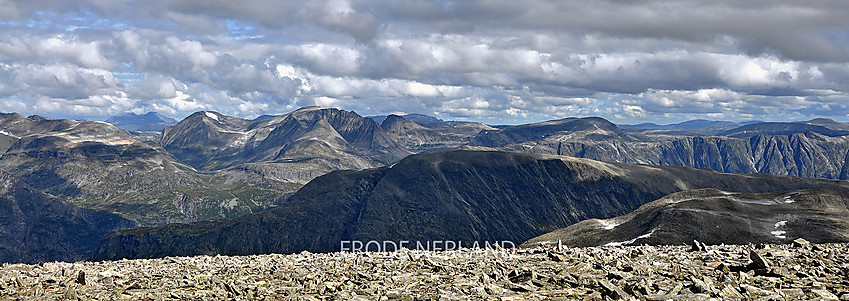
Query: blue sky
pixel 492 61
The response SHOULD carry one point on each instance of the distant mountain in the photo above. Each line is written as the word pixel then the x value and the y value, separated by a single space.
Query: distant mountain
pixel 804 153
pixel 421 118
pixel 782 128
pixel 590 128
pixel 815 148
pixel 746 129
pixel 96 165
pixel 697 126
pixel 459 196
pixel 303 144
pixel 430 136
pixel 263 117
pixel 37 227
pixel 415 117
pixel 828 123
pixel 150 121
pixel 715 217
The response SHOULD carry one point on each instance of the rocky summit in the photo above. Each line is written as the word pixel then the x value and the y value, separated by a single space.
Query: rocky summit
pixel 800 271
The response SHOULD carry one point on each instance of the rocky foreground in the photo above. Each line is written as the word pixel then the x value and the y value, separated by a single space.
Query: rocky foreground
pixel 766 272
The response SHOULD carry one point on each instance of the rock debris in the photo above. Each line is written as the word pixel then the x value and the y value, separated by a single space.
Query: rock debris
pixel 724 272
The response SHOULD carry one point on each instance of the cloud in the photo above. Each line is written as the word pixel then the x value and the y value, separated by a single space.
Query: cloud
pixel 64 81
pixel 501 61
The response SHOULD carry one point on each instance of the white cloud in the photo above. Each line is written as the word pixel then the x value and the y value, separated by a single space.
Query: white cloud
pixel 326 58
pixel 635 111
pixel 191 50
pixel 420 89
pixel 745 71
pixel 325 101
pixel 85 54
pixel 486 60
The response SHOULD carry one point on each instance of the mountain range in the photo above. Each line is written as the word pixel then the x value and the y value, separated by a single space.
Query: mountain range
pixel 96 165
pixel 697 126
pixel 796 149
pixel 244 181
pixel 461 196
pixel 296 147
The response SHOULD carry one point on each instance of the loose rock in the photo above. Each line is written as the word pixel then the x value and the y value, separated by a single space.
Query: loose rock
pixel 80 278
pixel 758 262
pixel 727 272
pixel 801 243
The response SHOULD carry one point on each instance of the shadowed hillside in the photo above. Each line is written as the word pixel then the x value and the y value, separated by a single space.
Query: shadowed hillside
pixel 460 195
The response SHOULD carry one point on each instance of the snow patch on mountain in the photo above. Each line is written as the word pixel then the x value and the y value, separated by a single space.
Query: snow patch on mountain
pixel 630 241
pixel 756 202
pixel 608 225
pixel 5 133
pixel 779 233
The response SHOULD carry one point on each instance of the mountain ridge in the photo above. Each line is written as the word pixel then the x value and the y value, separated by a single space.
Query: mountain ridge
pixel 458 195
pixel 717 217
pixel 211 141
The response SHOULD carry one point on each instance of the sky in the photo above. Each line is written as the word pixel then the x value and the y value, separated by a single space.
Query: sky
pixel 500 61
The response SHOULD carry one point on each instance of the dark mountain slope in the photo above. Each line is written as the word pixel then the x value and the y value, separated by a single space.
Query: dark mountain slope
pixel 715 217
pixel 36 227
pixel 460 196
